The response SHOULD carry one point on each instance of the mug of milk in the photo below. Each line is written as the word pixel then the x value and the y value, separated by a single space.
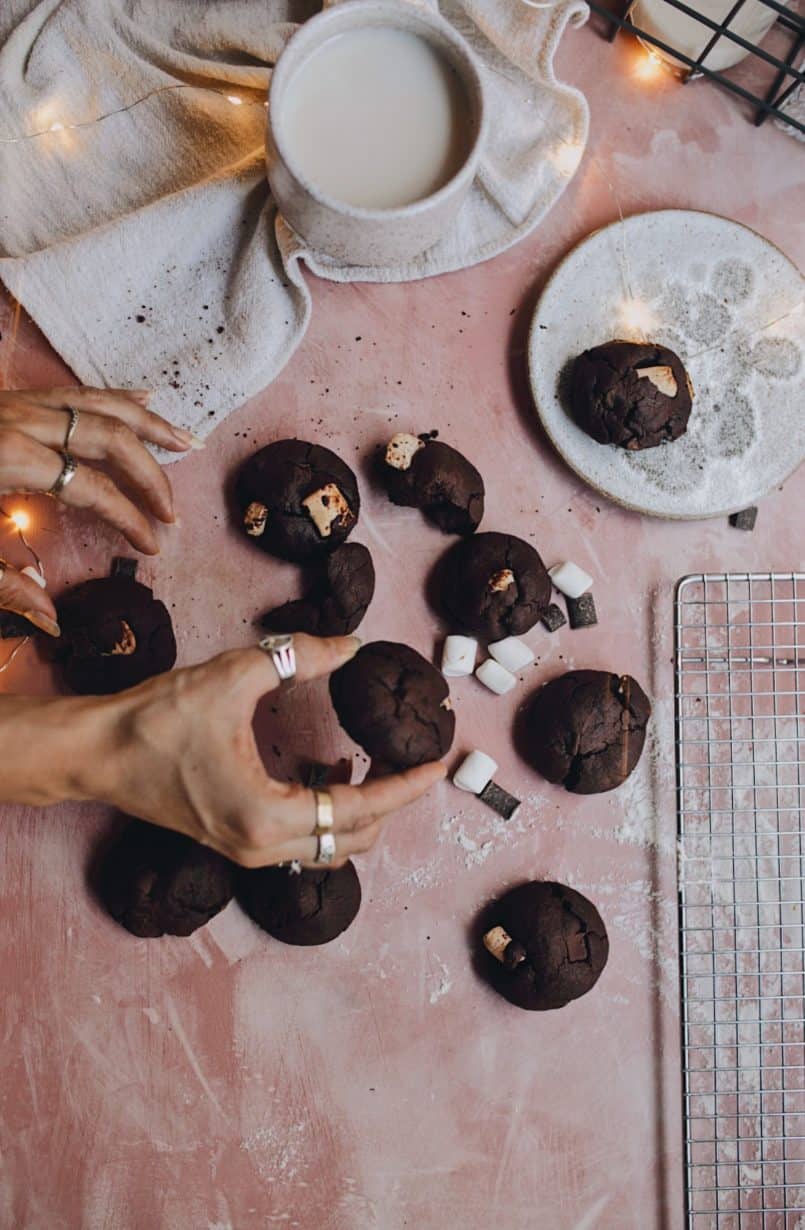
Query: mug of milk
pixel 375 129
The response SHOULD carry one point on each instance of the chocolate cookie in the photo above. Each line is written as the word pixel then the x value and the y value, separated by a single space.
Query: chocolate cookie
pixel 586 729
pixel 633 394
pixel 301 907
pixel 114 634
pixel 156 882
pixel 297 500
pixel 392 702
pixel 336 603
pixel 421 472
pixel 494 586
pixel 547 945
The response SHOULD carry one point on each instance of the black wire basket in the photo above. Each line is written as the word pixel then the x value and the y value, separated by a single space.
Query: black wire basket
pixel 782 73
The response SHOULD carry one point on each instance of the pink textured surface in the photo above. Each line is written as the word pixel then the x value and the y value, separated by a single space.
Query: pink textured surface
pixel 227 1081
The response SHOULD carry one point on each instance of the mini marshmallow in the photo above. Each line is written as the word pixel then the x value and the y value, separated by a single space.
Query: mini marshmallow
pixel 570 580
pixel 458 656
pixel 35 575
pixel 475 772
pixel 512 653
pixel 495 677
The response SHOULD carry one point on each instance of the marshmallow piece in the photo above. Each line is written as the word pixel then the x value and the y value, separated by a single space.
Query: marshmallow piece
pixel 475 772
pixel 570 580
pixel 495 677
pixel 512 653
pixel 35 575
pixel 458 656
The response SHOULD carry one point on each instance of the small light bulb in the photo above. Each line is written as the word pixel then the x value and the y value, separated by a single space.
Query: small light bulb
pixel 233 98
pixel 21 519
pixel 636 316
pixel 649 66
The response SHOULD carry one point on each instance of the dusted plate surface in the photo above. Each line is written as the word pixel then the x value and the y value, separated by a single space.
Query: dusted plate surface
pixel 730 304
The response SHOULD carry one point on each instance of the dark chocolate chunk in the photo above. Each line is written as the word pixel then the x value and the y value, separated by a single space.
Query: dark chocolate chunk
pixel 122 566
pixel 421 472
pixel 156 882
pixel 558 946
pixel 301 907
pixel 494 586
pixel 114 635
pixel 581 611
pixel 336 603
pixel 633 394
pixel 586 730
pixel 745 519
pixel 393 702
pixel 499 800
pixel 318 775
pixel 553 618
pixel 297 500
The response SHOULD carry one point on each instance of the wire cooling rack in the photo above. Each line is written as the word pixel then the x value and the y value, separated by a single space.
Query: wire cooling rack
pixel 740 682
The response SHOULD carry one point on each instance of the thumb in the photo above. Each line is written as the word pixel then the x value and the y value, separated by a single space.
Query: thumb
pixel 315 656
pixel 23 596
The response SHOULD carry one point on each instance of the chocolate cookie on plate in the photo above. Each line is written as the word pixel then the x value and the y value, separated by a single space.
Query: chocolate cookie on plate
pixel 633 394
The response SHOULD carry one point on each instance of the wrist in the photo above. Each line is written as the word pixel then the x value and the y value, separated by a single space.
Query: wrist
pixel 92 742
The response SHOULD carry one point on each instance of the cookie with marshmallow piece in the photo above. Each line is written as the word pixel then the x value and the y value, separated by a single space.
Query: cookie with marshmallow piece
pixel 421 472
pixel 632 394
pixel 494 586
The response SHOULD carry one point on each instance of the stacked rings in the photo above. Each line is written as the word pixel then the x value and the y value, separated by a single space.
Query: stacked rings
pixel 325 847
pixel 67 474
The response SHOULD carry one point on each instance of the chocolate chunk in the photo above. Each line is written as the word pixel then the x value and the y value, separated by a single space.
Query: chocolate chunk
pixel 114 635
pixel 494 586
pixel 586 730
pixel 318 775
pixel 337 601
pixel 499 800
pixel 421 472
pixel 553 618
pixel 156 882
pixel 632 394
pixel 745 519
pixel 558 946
pixel 122 566
pixel 297 500
pixel 392 702
pixel 305 907
pixel 581 611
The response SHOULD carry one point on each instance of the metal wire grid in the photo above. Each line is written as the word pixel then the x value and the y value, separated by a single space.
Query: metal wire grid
pixel 740 680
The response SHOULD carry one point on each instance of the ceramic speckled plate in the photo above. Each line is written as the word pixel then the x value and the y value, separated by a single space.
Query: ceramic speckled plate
pixel 731 305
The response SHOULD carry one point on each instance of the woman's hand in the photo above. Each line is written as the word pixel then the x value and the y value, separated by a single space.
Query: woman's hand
pixel 180 751
pixel 112 427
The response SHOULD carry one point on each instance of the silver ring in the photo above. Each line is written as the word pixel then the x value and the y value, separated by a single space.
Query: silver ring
pixel 75 415
pixel 324 812
pixel 67 475
pixel 281 652
pixel 325 849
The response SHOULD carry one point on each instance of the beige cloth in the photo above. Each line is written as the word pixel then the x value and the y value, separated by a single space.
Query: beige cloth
pixel 146 246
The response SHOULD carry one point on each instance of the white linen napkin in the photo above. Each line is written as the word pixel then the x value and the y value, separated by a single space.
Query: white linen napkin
pixel 146 245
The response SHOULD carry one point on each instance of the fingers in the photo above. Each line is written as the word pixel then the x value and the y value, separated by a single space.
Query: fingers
pixel 129 406
pixel 315 656
pixel 24 597
pixel 27 465
pixel 98 438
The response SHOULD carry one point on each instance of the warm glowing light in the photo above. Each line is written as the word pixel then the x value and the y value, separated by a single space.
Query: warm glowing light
pixel 57 127
pixel 566 157
pixel 21 520
pixel 648 66
pixel 636 316
pixel 233 98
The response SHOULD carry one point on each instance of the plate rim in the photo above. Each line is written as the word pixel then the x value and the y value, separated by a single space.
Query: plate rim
pixel 532 329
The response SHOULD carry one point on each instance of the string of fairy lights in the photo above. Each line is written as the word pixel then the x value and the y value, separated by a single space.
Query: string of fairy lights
pixel 21 521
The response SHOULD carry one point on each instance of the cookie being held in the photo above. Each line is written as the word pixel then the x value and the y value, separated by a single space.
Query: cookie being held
pixel 547 945
pixel 395 704
pixel 422 472
pixel 336 603
pixel 632 394
pixel 301 907
pixel 586 730
pixel 297 500
pixel 494 586
pixel 114 635
pixel 156 882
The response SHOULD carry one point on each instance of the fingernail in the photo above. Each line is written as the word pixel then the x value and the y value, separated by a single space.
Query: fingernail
pixel 43 623
pixel 187 439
